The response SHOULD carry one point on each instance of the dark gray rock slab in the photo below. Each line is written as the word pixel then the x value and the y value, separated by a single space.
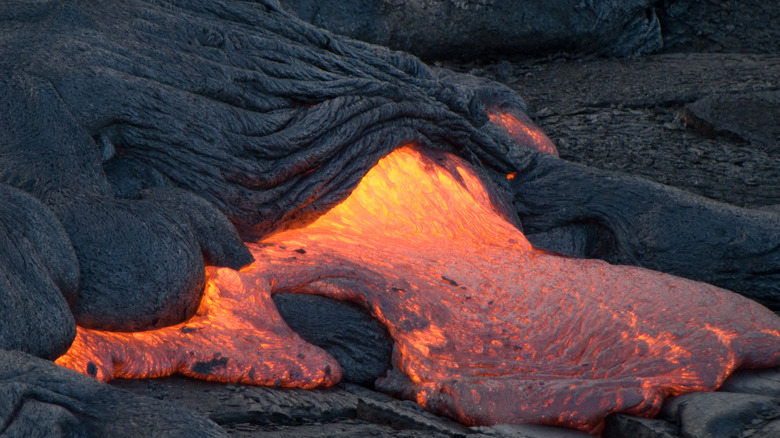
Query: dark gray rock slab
pixel 348 409
pixel 768 430
pixel 762 382
pixel 39 275
pixel 528 431
pixel 625 116
pixel 359 343
pixel 38 398
pixel 721 414
pixel 341 429
pixel 402 415
pixel 750 117
pixel 478 28
pixel 746 26
pixel 623 426
pixel 230 405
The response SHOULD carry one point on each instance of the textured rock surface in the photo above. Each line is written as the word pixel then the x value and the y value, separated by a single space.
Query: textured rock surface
pixel 529 431
pixel 141 260
pixel 722 414
pixel 626 116
pixel 38 398
pixel 38 276
pixel 620 425
pixel 468 28
pixel 750 117
pixel 737 26
pixel 766 382
pixel 356 340
pixel 491 28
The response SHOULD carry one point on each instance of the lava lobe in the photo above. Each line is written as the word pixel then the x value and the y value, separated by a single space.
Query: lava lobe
pixel 487 329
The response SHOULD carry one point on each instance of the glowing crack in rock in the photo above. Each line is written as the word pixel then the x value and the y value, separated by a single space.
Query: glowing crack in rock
pixel 487 329
pixel 522 130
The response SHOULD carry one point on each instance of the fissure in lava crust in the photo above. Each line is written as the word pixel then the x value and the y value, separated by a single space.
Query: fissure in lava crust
pixel 487 329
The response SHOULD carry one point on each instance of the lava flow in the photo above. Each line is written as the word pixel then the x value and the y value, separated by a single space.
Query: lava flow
pixel 487 329
pixel 522 130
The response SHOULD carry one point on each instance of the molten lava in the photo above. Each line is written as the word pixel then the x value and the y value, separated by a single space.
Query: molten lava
pixel 522 130
pixel 237 335
pixel 487 329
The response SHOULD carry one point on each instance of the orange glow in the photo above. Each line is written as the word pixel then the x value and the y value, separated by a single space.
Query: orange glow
pixel 236 336
pixel 487 329
pixel 523 131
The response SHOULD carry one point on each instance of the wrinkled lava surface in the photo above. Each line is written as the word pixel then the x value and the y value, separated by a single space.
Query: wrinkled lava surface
pixel 487 329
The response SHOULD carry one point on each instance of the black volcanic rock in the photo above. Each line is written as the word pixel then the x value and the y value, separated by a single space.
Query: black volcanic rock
pixel 621 425
pixel 38 398
pixel 359 343
pixel 39 275
pixel 149 253
pixel 723 414
pixel 142 259
pixel 737 26
pixel 435 29
pixel 761 382
pixel 747 117
pixel 469 29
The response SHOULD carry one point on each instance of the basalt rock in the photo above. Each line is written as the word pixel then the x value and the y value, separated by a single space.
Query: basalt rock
pixel 356 340
pixel 38 398
pixel 740 26
pixel 642 223
pixel 478 28
pixel 763 382
pixel 38 277
pixel 723 414
pixel 141 259
pixel 749 117
pixel 150 252
pixel 620 425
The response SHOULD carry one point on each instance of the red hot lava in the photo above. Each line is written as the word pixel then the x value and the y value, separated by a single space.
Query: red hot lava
pixel 522 130
pixel 487 329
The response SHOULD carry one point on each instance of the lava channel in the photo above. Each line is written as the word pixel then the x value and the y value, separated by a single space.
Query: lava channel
pixel 487 329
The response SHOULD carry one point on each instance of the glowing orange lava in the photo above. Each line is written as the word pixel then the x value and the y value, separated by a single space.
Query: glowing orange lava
pixel 522 130
pixel 487 329
pixel 237 335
